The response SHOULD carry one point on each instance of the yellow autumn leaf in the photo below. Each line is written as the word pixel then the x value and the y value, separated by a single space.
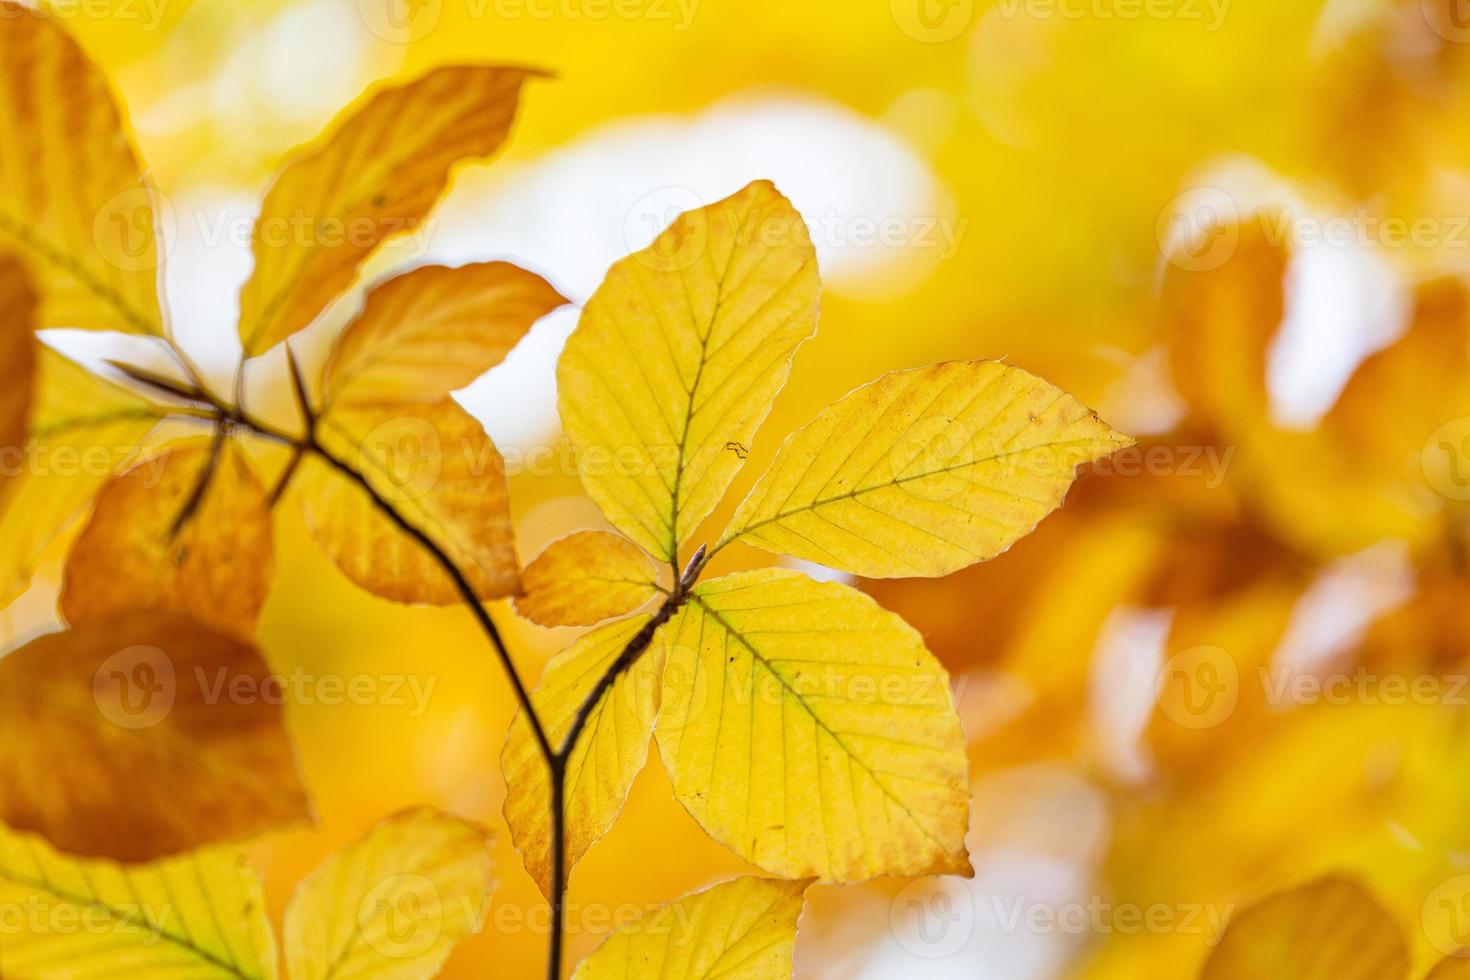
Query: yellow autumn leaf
pixel 17 363
pixel 82 430
pixel 173 734
pixel 610 752
pixel 923 471
pixel 809 730
pixel 135 555
pixel 201 916
pixel 74 203
pixel 438 469
pixel 585 578
pixel 393 905
pixel 743 928
pixel 431 331
pixel 374 175
pixel 1327 929
pixel 678 357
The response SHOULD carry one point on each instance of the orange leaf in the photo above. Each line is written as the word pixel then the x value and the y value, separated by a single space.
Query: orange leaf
pixel 431 331
pixel 17 360
pixel 585 578
pixel 436 466
pixel 215 567
pixel 73 198
pixel 143 736
pixel 375 175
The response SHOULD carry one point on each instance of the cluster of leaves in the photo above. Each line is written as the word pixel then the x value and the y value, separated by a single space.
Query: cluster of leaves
pixel 803 725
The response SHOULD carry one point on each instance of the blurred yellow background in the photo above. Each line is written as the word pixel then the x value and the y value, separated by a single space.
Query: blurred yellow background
pixel 985 178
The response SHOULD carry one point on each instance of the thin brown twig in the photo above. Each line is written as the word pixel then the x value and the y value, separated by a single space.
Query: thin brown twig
pixel 226 417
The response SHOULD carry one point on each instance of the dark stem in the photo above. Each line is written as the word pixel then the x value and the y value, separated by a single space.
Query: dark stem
pixel 309 443
pixel 196 496
pixel 635 648
pixel 284 480
pixel 225 416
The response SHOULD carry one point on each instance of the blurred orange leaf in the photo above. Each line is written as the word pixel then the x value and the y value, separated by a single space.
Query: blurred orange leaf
pixel 135 555
pixel 172 733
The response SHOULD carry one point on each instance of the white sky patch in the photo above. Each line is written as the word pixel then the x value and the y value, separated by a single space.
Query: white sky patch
pixel 580 208
pixel 1343 303
pixel 1344 300
pixel 874 208
pixel 820 573
pixel 285 69
pixel 1340 604
pixel 1039 831
pixel 1123 688
pixel 1142 400
pixel 572 213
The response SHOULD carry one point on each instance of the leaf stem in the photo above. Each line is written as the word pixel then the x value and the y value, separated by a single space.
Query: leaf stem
pixel 204 404
pixel 634 649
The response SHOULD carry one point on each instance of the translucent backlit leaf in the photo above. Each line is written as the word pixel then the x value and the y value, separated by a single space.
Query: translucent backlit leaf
pixel 810 731
pixel 197 917
pixel 141 737
pixel 82 431
pixel 611 751
pixel 135 555
pixel 585 578
pixel 374 175
pixel 431 331
pixel 74 204
pixel 742 928
pixel 436 467
pixel 393 905
pixel 924 471
pixel 1328 929
pixel 678 357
